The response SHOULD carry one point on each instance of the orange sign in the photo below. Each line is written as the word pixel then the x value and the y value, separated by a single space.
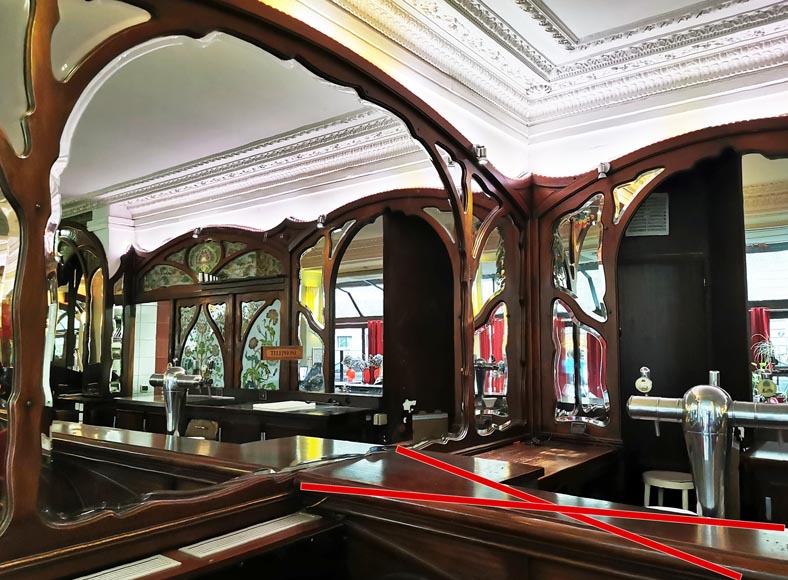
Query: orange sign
pixel 283 352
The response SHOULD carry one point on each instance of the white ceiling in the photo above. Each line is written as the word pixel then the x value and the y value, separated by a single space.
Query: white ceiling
pixel 176 135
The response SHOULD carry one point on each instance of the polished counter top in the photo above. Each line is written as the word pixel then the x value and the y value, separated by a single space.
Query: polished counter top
pixel 273 454
pixel 320 410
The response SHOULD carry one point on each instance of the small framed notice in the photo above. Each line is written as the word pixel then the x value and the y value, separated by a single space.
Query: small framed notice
pixel 283 352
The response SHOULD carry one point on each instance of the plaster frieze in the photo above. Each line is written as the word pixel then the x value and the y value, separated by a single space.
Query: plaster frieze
pixel 424 41
pixel 662 79
pixel 358 138
pixel 553 25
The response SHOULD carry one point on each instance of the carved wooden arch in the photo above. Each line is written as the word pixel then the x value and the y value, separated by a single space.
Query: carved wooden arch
pixel 71 547
pixel 767 136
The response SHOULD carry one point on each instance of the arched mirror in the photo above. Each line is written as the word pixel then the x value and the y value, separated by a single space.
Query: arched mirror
pixel 81 355
pixel 358 313
pixel 491 371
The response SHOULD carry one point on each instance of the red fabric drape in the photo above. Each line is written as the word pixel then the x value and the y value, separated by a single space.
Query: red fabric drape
pixel 759 324
pixel 375 330
pixel 595 364
pixel 491 338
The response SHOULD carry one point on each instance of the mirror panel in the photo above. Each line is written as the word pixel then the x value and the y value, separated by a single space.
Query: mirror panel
pixel 339 233
pixel 83 25
pixel 579 370
pixel 14 16
pixel 765 191
pixel 444 218
pixel 311 293
pixel 625 194
pixel 97 304
pixel 577 257
pixel 264 330
pixel 311 377
pixel 358 311
pixel 9 257
pixel 151 342
pixel 490 275
pixel 116 348
pixel 491 372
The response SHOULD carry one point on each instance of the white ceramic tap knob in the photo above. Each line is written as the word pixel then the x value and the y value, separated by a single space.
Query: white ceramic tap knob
pixel 643 383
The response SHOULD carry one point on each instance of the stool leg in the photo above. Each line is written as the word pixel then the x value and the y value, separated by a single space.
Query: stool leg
pixel 685 499
pixel 647 495
pixel 660 496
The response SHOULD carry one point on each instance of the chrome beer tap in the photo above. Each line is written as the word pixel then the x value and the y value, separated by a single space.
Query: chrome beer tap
pixel 175 383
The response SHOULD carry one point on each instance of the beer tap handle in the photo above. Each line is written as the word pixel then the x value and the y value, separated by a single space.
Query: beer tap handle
pixel 644 385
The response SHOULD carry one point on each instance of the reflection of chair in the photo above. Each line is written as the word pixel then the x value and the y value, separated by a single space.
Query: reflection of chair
pixel 663 480
pixel 203 428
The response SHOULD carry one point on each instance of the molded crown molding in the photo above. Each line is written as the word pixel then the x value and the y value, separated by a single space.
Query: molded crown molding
pixel 366 136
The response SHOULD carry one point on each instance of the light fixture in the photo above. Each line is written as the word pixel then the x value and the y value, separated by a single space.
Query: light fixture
pixel 481 154
pixel 604 167
pixel 321 221
pixel 196 232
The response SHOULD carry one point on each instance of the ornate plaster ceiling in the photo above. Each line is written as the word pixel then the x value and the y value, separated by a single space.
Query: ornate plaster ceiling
pixel 527 78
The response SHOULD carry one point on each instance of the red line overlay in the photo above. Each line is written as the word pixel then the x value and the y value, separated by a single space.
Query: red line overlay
pixel 647 542
pixel 539 507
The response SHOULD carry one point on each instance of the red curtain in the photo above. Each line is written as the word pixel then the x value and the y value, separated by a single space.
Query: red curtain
pixel 375 330
pixel 596 365
pixel 759 324
pixel 491 338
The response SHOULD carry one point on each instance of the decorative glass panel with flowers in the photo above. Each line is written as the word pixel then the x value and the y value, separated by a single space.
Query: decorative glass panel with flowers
pixel 257 373
pixel 203 350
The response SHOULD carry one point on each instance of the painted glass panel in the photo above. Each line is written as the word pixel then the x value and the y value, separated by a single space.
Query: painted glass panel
pixel 311 376
pixel 231 248
pixel 257 373
pixel 163 276
pixel 84 25
pixel 255 264
pixel 178 257
pixel 248 310
pixel 202 351
pixel 311 293
pixel 14 15
pixel 217 312
pixel 625 194
pixel 205 257
pixel 187 315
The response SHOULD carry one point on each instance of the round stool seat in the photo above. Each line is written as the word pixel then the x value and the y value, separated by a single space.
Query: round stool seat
pixel 663 480
pixel 672 510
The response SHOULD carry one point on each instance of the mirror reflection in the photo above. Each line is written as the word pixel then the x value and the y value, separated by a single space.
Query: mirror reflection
pixel 9 256
pixel 491 272
pixel 491 371
pixel 625 194
pixel 765 192
pixel 311 293
pixel 577 257
pixel 151 342
pixel 358 314
pixel 579 370
pixel 311 376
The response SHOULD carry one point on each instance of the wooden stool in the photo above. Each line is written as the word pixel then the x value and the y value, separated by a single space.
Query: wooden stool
pixel 663 480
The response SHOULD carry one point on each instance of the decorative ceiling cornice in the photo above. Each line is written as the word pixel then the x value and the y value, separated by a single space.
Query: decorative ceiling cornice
pixel 442 32
pixel 689 73
pixel 564 36
pixel 365 136
pixel 406 29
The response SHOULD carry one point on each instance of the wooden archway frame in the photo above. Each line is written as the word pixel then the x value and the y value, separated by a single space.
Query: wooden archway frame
pixel 46 549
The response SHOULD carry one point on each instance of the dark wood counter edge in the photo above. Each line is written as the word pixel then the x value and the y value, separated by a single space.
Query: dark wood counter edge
pixel 539 534
pixel 322 410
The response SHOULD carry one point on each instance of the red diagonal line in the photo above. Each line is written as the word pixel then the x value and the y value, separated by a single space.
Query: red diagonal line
pixel 540 507
pixel 615 530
